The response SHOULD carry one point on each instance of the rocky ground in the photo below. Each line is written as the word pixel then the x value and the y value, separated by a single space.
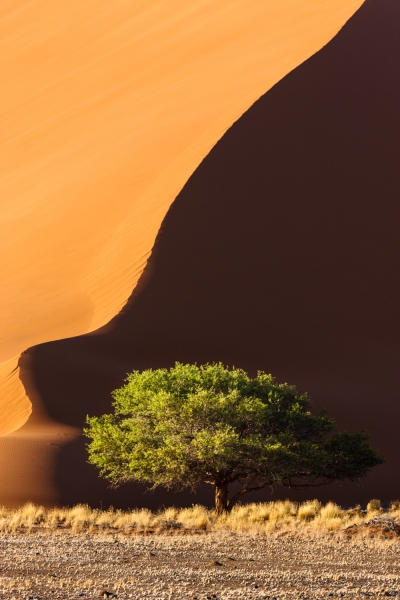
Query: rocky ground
pixel 65 565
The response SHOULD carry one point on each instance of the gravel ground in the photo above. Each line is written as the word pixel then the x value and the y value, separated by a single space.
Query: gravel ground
pixel 64 565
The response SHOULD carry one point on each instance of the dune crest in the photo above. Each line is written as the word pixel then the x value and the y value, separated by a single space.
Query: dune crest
pixel 107 111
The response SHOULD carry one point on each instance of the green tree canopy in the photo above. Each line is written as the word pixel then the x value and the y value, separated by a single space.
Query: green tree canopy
pixel 193 424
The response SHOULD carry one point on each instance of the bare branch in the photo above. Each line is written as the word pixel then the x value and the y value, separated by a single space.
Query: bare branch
pixel 236 497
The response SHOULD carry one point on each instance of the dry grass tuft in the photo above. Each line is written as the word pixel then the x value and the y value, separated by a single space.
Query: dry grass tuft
pixel 309 510
pixel 310 517
pixel 374 507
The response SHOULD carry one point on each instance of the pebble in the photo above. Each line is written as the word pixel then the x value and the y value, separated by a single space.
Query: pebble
pixel 214 566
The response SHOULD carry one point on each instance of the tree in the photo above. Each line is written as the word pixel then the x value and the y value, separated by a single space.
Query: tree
pixel 193 424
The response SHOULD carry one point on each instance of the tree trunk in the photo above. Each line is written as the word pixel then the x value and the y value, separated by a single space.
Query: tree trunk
pixel 221 497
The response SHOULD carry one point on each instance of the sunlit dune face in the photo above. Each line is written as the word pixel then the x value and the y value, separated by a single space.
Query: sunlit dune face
pixel 107 109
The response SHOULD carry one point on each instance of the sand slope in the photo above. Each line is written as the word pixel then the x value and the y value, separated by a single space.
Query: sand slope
pixel 280 253
pixel 107 109
pixel 107 112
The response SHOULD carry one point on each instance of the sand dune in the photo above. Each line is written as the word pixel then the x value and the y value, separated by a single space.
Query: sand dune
pixel 280 253
pixel 106 112
pixel 14 407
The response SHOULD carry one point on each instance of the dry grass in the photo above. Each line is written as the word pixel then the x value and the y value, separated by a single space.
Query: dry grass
pixel 279 517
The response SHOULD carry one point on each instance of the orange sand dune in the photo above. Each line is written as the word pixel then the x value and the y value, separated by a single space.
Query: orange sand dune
pixel 281 252
pixel 107 109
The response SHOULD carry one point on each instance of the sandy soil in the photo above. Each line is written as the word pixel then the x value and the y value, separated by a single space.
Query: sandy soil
pixel 227 565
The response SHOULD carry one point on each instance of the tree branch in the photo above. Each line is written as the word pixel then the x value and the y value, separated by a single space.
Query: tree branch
pixel 236 497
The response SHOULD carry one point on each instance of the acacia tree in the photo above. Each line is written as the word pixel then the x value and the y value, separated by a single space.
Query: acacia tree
pixel 193 424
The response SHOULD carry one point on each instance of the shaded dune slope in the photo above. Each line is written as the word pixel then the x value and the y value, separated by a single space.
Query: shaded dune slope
pixel 107 109
pixel 281 253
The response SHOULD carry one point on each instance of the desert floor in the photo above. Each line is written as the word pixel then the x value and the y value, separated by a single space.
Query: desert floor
pixel 209 565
